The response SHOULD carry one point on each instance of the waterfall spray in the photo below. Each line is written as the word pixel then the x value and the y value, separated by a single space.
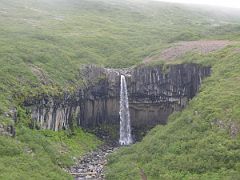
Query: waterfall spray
pixel 125 127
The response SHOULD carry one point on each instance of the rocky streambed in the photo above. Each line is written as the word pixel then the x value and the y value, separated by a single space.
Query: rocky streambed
pixel 91 166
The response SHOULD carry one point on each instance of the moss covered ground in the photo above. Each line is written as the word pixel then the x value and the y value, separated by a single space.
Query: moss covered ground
pixel 42 47
pixel 202 141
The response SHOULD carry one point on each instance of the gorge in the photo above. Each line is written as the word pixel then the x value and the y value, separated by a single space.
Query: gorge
pixel 154 93
pixel 115 90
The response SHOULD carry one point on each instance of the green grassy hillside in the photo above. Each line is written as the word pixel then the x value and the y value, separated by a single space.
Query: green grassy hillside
pixel 202 141
pixel 42 154
pixel 56 37
pixel 43 43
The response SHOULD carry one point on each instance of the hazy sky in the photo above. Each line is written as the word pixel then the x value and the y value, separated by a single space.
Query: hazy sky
pixel 225 3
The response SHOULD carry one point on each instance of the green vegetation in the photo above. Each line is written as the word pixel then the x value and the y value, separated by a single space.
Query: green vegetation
pixel 108 131
pixel 44 43
pixel 202 141
pixel 47 41
pixel 41 154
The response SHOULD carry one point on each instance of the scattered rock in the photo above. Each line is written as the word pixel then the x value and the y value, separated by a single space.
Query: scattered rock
pixel 7 130
pixel 91 166
pixel 40 74
pixel 232 127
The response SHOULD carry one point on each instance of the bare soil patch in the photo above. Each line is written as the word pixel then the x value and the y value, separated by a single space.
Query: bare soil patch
pixel 181 48
pixel 40 74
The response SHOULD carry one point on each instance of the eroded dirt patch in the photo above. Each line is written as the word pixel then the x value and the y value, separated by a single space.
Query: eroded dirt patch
pixel 181 48
pixel 40 74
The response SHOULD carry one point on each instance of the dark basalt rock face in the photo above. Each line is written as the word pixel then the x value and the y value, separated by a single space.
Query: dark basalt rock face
pixel 154 93
pixel 7 130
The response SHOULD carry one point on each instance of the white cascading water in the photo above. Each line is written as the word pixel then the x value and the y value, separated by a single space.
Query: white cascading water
pixel 125 126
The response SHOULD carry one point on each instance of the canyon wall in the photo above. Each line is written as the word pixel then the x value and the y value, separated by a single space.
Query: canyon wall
pixel 154 93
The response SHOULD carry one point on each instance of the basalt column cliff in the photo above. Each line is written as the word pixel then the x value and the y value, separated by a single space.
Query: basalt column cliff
pixel 154 93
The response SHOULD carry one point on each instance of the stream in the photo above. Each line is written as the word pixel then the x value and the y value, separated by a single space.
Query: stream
pixel 91 166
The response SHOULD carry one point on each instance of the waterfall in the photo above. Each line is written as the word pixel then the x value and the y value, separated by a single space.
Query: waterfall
pixel 125 127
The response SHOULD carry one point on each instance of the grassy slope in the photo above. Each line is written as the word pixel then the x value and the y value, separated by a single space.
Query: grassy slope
pixel 198 143
pixel 60 35
pixel 41 154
